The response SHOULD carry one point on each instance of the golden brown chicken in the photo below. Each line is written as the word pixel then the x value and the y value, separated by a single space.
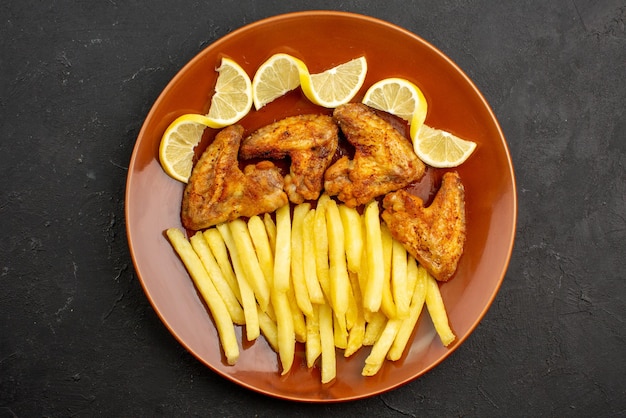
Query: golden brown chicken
pixel 383 161
pixel 309 140
pixel 218 191
pixel 434 235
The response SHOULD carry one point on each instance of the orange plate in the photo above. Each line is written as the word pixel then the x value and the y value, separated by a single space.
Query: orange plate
pixel 322 40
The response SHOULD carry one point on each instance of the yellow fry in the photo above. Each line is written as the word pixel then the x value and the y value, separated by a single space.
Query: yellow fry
pixel 282 253
pixel 247 294
pixel 269 329
pixel 340 331
pixel 339 280
pixel 357 331
pixel 218 248
pixel 413 270
pixel 263 248
pixel 313 345
pixel 351 221
pixel 201 247
pixel 270 228
pixel 223 322
pixel 299 324
pixel 321 245
pixel 387 304
pixel 372 295
pixel 401 296
pixel 309 263
pixel 252 268
pixel 284 326
pixel 375 360
pixel 374 327
pixel 297 258
pixel 327 339
pixel 437 311
pixel 408 325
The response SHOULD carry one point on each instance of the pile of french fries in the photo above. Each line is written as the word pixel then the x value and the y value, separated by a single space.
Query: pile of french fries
pixel 329 277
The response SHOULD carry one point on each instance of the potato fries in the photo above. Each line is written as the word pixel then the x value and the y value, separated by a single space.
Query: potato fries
pixel 327 277
pixel 223 322
pixel 247 294
pixel 372 296
pixel 437 311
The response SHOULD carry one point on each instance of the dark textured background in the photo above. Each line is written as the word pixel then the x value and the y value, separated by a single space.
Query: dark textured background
pixel 79 338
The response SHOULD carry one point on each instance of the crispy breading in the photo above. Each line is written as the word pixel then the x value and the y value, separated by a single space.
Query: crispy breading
pixel 434 235
pixel 218 191
pixel 309 140
pixel 383 161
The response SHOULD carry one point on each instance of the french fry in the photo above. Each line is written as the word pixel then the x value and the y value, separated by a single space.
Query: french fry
pixel 313 347
pixel 374 327
pixel 437 311
pixel 357 331
pixel 327 340
pixel 372 295
pixel 401 295
pixel 351 221
pixel 413 270
pixel 297 259
pixel 282 253
pixel 248 257
pixel 218 248
pixel 387 304
pixel 285 331
pixel 269 329
pixel 270 228
pixel 321 245
pixel 309 262
pixel 247 294
pixel 339 280
pixel 263 248
pixel 223 322
pixel 417 303
pixel 375 360
pixel 201 247
pixel 299 324
pixel 340 332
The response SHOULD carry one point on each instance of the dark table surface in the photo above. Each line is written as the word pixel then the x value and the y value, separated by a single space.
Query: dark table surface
pixel 78 337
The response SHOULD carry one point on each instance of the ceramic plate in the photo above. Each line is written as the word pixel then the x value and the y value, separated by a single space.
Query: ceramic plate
pixel 323 40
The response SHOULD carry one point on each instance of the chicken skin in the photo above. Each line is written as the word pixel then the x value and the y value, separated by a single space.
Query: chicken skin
pixel 434 235
pixel 383 161
pixel 309 140
pixel 218 191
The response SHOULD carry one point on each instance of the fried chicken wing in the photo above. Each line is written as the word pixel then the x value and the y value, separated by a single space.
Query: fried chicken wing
pixel 383 161
pixel 434 235
pixel 309 140
pixel 218 191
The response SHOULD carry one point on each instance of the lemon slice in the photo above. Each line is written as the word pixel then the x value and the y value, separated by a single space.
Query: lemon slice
pixel 275 77
pixel 178 142
pixel 441 149
pixel 335 86
pixel 399 97
pixel 232 99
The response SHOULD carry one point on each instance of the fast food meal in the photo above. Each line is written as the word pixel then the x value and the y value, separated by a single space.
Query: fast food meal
pixel 333 252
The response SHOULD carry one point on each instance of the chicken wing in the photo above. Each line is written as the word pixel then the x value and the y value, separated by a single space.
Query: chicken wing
pixel 309 140
pixel 434 235
pixel 383 161
pixel 218 191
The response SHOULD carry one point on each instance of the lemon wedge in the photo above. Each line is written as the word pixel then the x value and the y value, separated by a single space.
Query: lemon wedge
pixel 399 97
pixel 178 142
pixel 275 77
pixel 441 149
pixel 232 99
pixel 335 86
